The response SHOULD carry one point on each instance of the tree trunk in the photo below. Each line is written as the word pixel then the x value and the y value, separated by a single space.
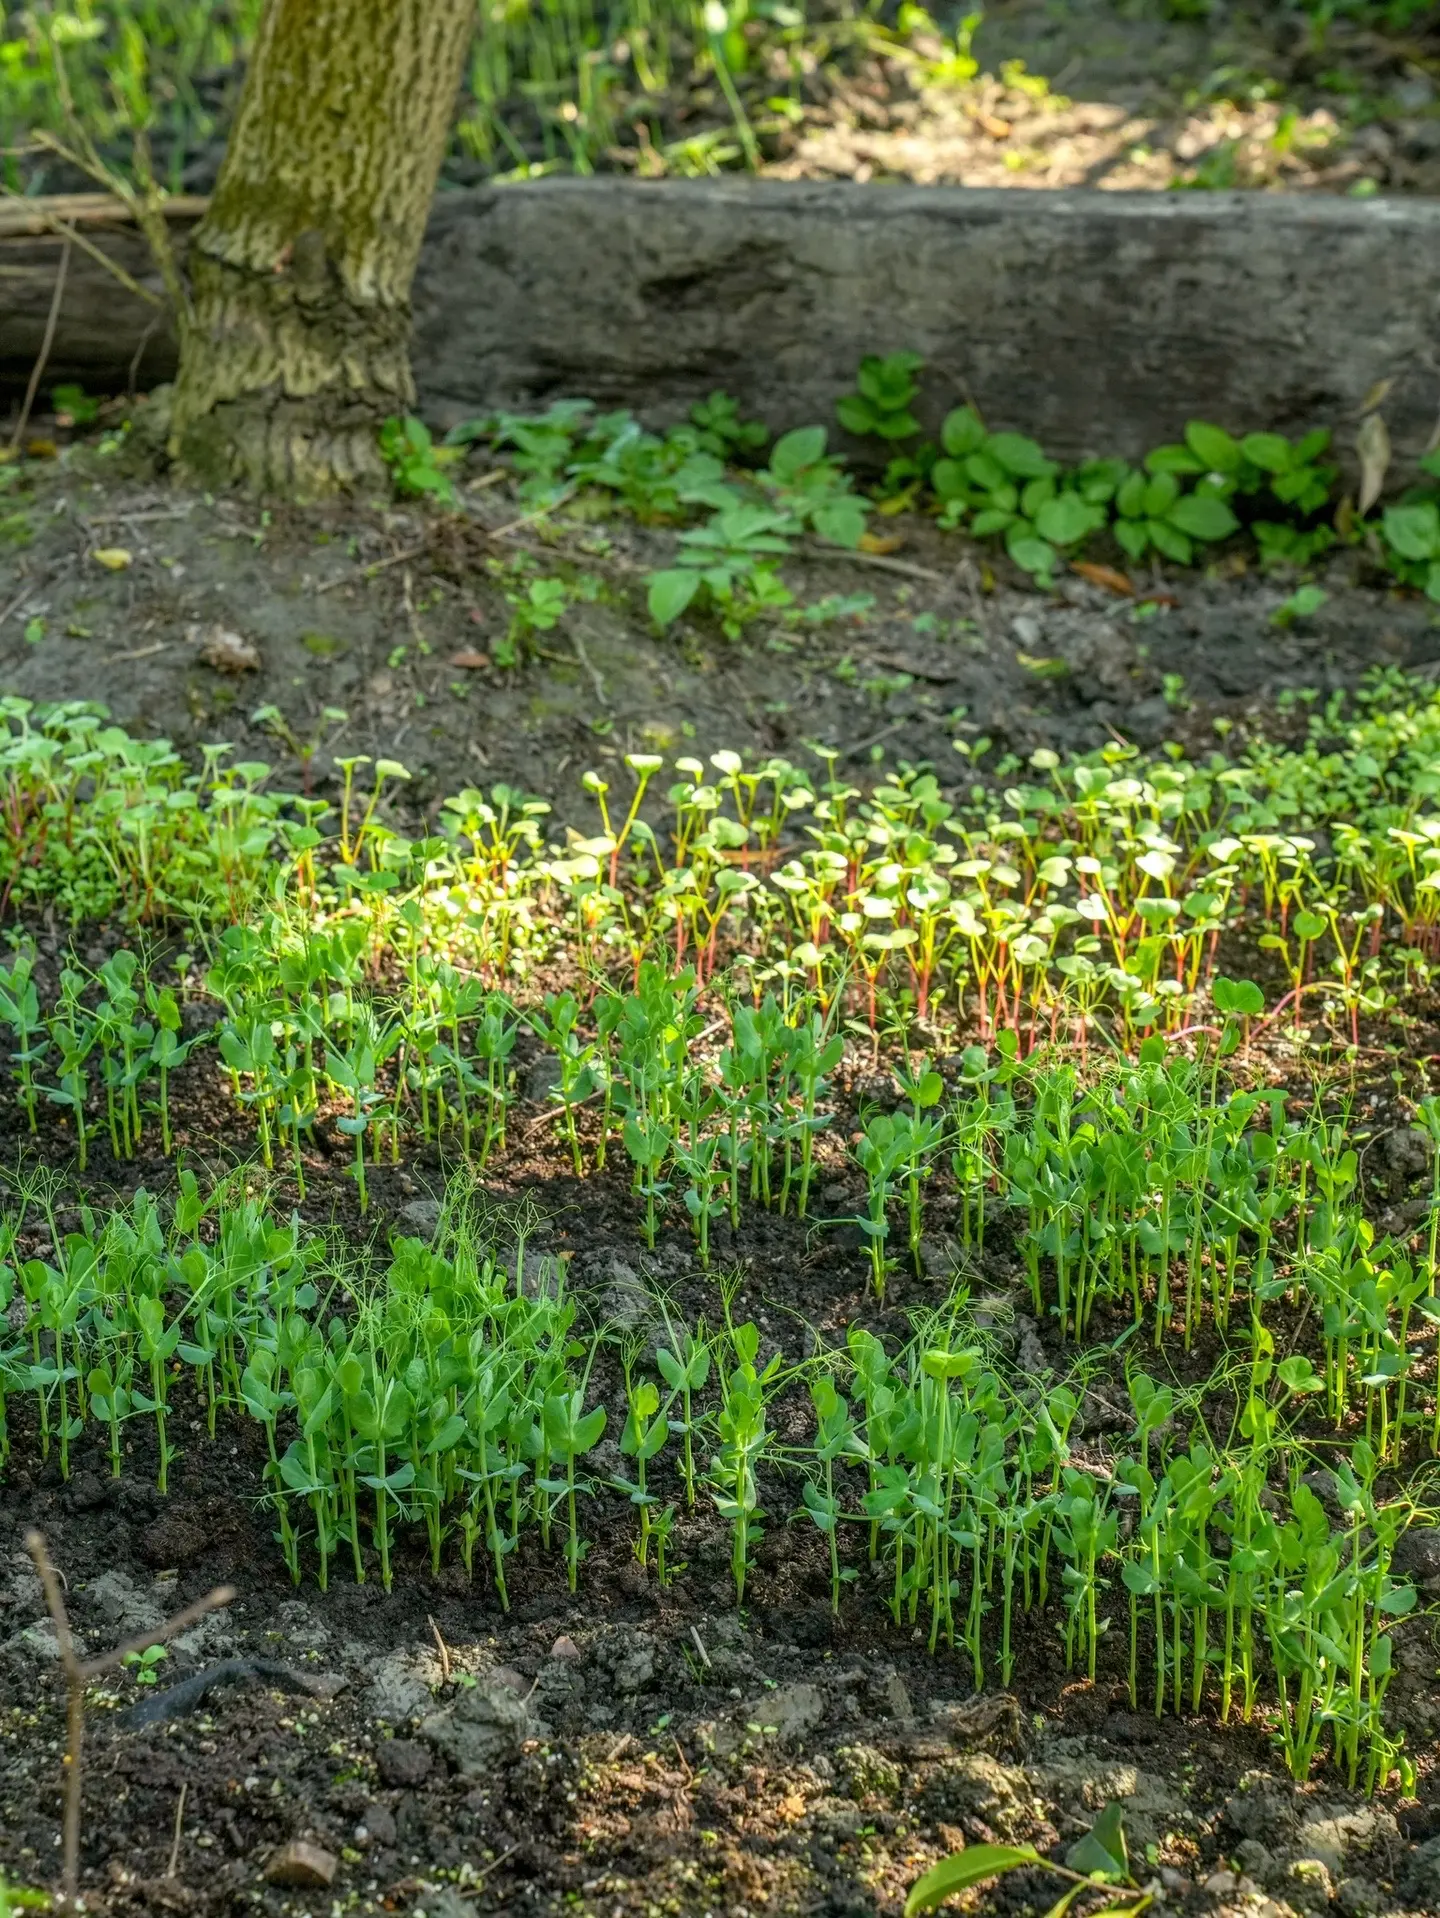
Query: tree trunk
pixel 296 344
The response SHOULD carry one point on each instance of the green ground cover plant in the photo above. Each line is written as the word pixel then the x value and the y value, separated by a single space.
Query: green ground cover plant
pixel 1279 501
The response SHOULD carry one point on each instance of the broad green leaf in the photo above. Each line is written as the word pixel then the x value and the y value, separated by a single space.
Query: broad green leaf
pixel 1029 552
pixel 1413 531
pixel 1022 457
pixel 1213 447
pixel 1203 516
pixel 669 594
pixel 1066 519
pixel 1271 452
pixel 1170 541
pixel 963 433
pixel 971 1866
pixel 793 452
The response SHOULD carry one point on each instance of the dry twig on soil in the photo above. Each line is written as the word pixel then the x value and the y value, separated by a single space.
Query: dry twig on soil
pixel 79 1673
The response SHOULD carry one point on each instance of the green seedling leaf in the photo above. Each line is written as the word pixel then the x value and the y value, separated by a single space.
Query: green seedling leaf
pixel 1299 1375
pixel 1020 457
pixel 1301 604
pixel 1102 1852
pixel 1238 997
pixel 971 1866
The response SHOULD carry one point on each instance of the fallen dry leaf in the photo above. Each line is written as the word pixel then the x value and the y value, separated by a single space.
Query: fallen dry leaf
pixel 472 662
pixel 114 558
pixel 227 652
pixel 1372 443
pixel 880 543
pixel 1106 576
pixel 997 128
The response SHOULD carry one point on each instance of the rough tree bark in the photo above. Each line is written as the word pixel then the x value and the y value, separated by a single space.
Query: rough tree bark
pixel 296 341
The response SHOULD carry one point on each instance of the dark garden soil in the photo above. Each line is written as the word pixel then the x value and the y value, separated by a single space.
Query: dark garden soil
pixel 656 1751
pixel 391 617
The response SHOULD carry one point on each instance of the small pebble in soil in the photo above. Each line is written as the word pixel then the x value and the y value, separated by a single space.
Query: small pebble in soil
pixel 401 1762
pixel 303 1864
pixel 378 1825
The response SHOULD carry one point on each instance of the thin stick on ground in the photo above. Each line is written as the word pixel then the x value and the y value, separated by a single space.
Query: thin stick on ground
pixel 442 1648
pixel 175 1841
pixel 79 1673
pixel 42 358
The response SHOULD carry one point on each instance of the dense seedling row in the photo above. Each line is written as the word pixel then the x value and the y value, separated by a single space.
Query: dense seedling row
pixel 382 980
pixel 436 1393
pixel 1075 1085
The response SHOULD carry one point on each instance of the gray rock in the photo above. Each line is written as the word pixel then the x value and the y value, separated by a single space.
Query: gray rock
pixel 1407 1151
pixel 443 1902
pixel 626 1303
pixel 420 1219
pixel 37 1643
pixel 1359 1897
pixel 27 1594
pixel 1263 1809
pixel 975 1788
pixel 543 1276
pixel 938 1258
pixel 1417 1553
pixel 789 1712
pixel 1082 1785
pixel 634 1670
pixel 836 1819
pixel 397 1693
pixel 210 1638
pixel 1307 1884
pixel 1331 1837
pixel 1421 1882
pixel 300 1628
pixel 483 1728
pixel 897 1698
pixel 1030 1354
pixel 123 1605
pixel 784 1716
pixel 542 1081
pixel 402 1762
pixel 1257 1861
pixel 377 1827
